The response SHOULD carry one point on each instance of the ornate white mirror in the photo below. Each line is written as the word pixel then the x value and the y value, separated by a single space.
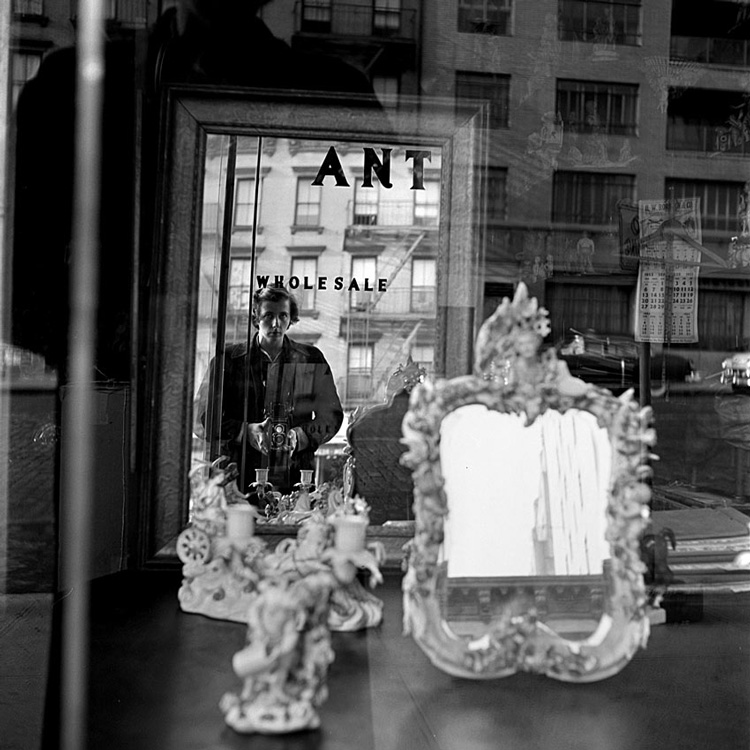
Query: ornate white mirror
pixel 529 500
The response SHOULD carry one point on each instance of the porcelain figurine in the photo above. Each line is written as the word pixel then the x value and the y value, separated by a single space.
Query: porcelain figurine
pixel 284 664
pixel 221 558
pixel 336 543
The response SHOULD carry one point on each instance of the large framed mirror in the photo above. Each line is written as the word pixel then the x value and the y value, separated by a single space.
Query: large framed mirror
pixel 370 217
pixel 529 498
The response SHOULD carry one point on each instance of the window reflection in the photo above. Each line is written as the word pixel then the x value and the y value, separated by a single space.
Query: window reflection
pixel 364 279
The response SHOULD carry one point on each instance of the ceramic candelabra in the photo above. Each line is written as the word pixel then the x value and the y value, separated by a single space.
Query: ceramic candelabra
pixel 353 607
pixel 284 664
pixel 221 557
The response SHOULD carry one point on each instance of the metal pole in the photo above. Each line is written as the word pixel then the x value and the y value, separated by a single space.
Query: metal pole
pixel 250 332
pixel 78 442
pixel 217 380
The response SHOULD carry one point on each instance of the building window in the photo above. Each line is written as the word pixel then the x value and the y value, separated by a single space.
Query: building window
pixel 709 121
pixel 424 356
pixel 386 16
pixel 491 87
pixel 591 106
pixel 605 309
pixel 427 204
pixel 423 285
pixel 366 205
pixel 497 202
pixel 24 67
pixel 359 371
pixel 721 316
pixel 316 15
pixel 28 7
pixel 238 301
pixel 307 211
pixel 600 21
pixel 386 89
pixel 719 201
pixel 244 202
pixel 363 268
pixel 211 219
pixel 716 33
pixel 305 269
pixel 484 16
pixel 589 197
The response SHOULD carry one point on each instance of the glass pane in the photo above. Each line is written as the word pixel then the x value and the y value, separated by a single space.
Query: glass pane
pixel 361 314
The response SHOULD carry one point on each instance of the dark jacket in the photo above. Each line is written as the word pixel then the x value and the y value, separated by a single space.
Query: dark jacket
pixel 300 381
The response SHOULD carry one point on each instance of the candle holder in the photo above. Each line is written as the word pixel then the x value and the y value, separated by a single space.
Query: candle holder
pixel 284 664
pixel 353 607
pixel 221 558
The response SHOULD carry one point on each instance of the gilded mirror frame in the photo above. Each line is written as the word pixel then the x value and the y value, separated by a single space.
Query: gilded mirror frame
pixel 523 642
pixel 189 116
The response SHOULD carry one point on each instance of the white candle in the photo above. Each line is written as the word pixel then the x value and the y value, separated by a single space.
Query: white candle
pixel 240 521
pixel 350 533
pixel 261 476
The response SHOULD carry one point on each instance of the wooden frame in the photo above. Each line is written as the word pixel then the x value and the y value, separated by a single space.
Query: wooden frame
pixel 190 115
pixel 522 643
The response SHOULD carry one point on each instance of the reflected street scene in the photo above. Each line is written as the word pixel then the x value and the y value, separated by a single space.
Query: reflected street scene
pixel 351 233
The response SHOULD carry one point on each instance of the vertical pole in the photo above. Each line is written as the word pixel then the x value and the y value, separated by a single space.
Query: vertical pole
pixel 644 372
pixel 215 385
pixel 5 288
pixel 250 332
pixel 77 447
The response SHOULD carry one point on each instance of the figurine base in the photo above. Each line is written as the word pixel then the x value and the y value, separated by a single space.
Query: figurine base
pixel 353 607
pixel 274 719
pixel 231 608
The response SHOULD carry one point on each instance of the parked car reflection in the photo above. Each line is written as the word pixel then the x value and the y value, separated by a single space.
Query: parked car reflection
pixel 612 361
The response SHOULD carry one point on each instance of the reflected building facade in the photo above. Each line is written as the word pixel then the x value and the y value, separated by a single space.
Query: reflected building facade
pixel 592 108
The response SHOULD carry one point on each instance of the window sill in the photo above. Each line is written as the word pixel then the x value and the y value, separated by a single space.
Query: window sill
pixel 40 18
pixel 304 228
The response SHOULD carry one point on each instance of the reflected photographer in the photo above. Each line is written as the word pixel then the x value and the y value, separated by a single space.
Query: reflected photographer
pixel 279 403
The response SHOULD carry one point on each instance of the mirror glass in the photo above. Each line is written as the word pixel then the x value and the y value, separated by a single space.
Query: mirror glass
pixel 351 229
pixel 526 524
